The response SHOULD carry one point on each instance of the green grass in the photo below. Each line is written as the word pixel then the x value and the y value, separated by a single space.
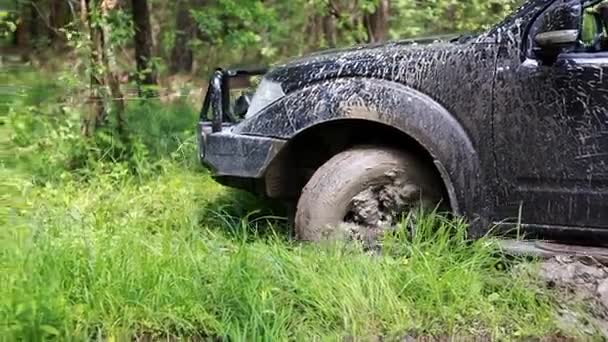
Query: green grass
pixel 112 249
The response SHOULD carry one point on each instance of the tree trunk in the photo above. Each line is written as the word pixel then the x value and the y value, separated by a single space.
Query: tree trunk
pixel 59 17
pixel 182 57
pixel 329 30
pixel 105 95
pixel 143 48
pixel 313 30
pixel 39 29
pixel 377 23
pixel 116 101
pixel 23 31
pixel 329 24
pixel 97 116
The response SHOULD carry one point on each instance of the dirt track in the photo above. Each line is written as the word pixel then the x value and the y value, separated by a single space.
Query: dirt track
pixel 583 280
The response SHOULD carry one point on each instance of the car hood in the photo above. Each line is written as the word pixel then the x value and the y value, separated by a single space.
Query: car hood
pixel 377 60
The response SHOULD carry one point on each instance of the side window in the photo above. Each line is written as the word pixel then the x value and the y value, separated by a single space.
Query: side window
pixel 594 33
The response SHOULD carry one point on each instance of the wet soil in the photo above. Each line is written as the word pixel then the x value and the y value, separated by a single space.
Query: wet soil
pixel 382 205
pixel 380 208
pixel 580 279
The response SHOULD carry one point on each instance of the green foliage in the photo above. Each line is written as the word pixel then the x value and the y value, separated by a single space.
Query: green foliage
pixel 122 27
pixel 447 16
pixel 593 28
pixel 244 31
pixel 8 24
pixel 46 138
pixel 247 28
pixel 262 32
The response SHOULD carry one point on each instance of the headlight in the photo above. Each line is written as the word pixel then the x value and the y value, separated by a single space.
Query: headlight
pixel 268 92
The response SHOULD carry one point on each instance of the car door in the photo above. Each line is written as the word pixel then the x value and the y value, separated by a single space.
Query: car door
pixel 551 134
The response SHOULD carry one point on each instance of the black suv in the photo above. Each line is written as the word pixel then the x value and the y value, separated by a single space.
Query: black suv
pixel 508 128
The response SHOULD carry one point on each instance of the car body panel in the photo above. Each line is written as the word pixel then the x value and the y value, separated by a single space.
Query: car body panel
pixel 557 115
pixel 412 112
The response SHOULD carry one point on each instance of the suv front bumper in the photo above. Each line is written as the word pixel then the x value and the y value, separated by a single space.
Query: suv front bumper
pixel 231 156
pixel 236 155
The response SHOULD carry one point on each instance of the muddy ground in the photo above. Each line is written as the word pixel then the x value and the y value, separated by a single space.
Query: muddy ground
pixel 583 280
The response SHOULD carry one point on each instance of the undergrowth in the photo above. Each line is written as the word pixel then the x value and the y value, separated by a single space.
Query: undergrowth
pixel 102 241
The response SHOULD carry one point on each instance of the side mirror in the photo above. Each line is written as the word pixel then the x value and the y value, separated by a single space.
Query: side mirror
pixel 559 30
pixel 556 38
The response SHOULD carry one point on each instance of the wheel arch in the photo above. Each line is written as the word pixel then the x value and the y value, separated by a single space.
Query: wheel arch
pixel 341 111
pixel 318 143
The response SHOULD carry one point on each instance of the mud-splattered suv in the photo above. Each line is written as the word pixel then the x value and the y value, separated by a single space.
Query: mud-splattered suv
pixel 509 127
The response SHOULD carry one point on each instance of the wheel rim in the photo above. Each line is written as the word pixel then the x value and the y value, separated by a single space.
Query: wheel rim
pixel 380 208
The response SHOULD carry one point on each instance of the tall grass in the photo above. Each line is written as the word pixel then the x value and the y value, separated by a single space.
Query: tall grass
pixel 116 257
pixel 116 249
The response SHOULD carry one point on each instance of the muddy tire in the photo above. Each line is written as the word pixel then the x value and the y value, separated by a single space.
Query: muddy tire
pixel 391 180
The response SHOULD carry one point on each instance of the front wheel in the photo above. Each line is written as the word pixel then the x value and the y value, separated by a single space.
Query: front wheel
pixel 361 192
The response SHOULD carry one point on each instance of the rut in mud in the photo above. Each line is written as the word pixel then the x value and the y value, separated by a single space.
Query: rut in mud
pixel 377 208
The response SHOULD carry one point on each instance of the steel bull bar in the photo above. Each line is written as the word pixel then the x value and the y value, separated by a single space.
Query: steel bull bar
pixel 236 160
pixel 216 113
pixel 217 99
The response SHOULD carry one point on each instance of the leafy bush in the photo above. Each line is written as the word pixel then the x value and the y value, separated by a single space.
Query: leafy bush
pixel 239 31
pixel 45 133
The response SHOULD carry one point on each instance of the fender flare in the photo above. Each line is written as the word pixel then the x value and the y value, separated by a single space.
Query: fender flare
pixel 393 104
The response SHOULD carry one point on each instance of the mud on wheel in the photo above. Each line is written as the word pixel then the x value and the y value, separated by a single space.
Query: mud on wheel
pixel 362 192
